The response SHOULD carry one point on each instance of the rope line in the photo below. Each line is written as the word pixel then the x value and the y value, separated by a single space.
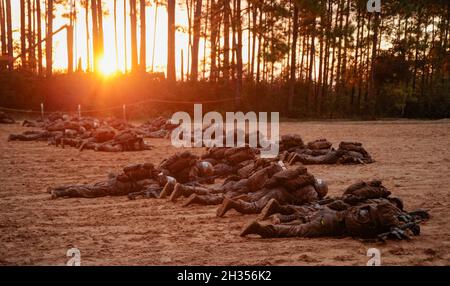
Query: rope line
pixel 121 106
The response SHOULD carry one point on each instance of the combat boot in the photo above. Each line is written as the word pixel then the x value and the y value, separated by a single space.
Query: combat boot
pixel 265 231
pixel 226 205
pixel 271 207
pixel 240 206
pixel 203 200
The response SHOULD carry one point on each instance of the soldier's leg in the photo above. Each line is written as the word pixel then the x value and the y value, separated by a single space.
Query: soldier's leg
pixel 325 222
pixel 256 205
pixel 150 192
pixel 288 219
pixel 82 191
pixel 273 207
pixel 23 137
pixel 204 200
pixel 167 190
pixel 242 206
pixel 186 191
pixel 109 148
pixel 87 144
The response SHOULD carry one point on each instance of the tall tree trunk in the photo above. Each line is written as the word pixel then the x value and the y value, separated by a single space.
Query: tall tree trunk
pixel 367 64
pixel 355 66
pixel 3 27
pixel 171 73
pixel 233 43
pixel 333 61
pixel 23 43
pixel 213 39
pixel 416 52
pixel 205 32
pixel 116 45
pixel 249 27
pixel 346 48
pixel 312 61
pixel 258 60
pixel 49 40
pixel 226 39
pixel 336 100
pixel 154 34
pixel 196 40
pixel 372 88
pixel 329 21
pixel 133 24
pixel 70 30
pixel 285 68
pixel 293 66
pixel 254 20
pixel 30 38
pixel 317 91
pixel 88 50
pixel 238 54
pixel 39 36
pixel 189 50
pixel 304 51
pixel 9 32
pixel 100 28
pixel 143 51
pixel 95 35
pixel 125 40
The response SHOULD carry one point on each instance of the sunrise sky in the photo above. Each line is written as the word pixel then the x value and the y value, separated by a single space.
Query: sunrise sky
pixel 109 63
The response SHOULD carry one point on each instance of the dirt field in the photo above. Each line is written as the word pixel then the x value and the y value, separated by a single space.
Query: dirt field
pixel 412 159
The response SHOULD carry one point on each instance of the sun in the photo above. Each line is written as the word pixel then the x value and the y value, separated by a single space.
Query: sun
pixel 106 66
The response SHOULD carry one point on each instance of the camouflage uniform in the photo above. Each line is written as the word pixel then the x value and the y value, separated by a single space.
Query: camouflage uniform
pixel 320 152
pixel 371 214
pixel 295 186
pixel 34 136
pixel 181 166
pixel 133 178
pixel 232 187
pixel 227 161
pixel 124 141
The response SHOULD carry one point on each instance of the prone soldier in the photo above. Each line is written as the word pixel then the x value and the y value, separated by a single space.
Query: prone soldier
pixel 294 186
pixel 133 178
pixel 372 214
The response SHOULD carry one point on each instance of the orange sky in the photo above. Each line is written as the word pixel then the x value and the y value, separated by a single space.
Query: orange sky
pixel 109 64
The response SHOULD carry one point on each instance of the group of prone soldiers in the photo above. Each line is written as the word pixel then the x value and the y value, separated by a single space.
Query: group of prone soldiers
pixel 250 182
pixel 365 210
pixel 320 151
pixel 293 199
pixel 156 128
pixel 149 181
pixel 84 133
pixel 6 119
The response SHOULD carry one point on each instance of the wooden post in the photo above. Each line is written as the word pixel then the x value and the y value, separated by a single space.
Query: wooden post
pixel 182 66
pixel 124 109
pixel 42 111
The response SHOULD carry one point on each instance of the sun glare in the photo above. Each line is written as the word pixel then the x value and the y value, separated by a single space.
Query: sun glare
pixel 107 67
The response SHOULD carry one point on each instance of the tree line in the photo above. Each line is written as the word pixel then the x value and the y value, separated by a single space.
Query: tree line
pixel 323 58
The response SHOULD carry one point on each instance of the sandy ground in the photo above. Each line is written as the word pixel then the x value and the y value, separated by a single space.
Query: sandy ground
pixel 413 160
